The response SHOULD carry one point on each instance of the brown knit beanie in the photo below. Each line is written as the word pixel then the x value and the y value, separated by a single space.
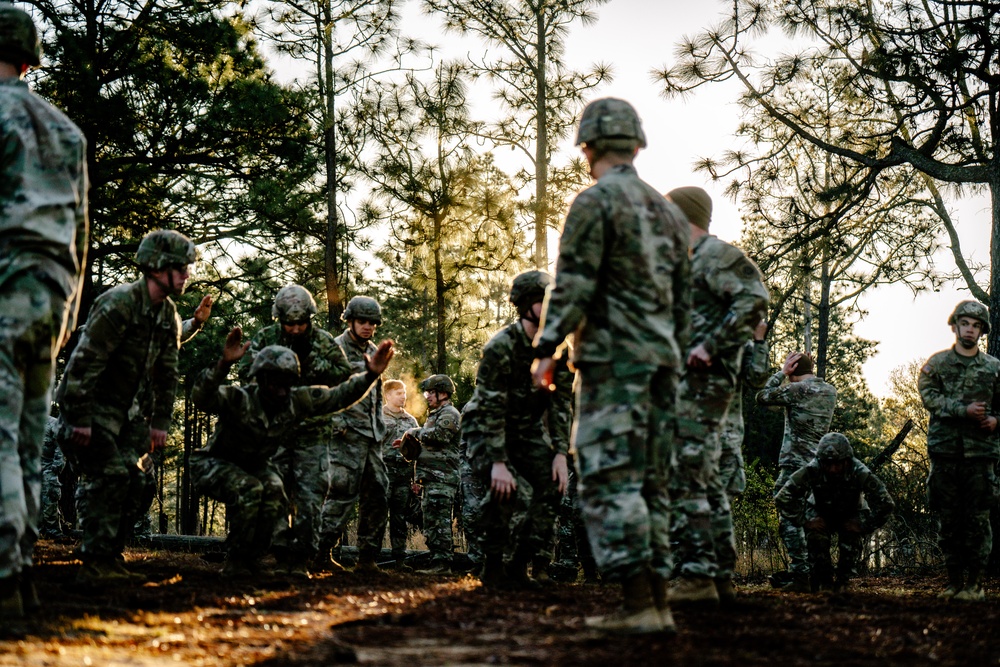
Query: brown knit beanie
pixel 695 203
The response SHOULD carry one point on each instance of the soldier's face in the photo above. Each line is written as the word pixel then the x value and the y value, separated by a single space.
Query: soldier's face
pixel 968 331
pixel 834 468
pixel 363 329
pixel 396 398
pixel 275 389
pixel 295 329
pixel 433 399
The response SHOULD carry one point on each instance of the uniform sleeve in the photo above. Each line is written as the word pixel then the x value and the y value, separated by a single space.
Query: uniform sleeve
pixel 880 503
pixel 443 433
pixel 189 329
pixel 560 417
pixel 755 364
pixel 165 378
pixel 934 394
pixel 774 392
pixel 682 289
pixel 330 365
pixel 738 280
pixel 205 392
pixel 322 400
pixel 581 252
pixel 492 385
pixel 791 499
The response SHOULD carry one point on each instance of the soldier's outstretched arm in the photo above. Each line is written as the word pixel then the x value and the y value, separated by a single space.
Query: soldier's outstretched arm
pixel 205 392
pixel 321 400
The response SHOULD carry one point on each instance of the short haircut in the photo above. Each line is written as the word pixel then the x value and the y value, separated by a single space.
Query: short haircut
pixel 390 385
pixel 804 366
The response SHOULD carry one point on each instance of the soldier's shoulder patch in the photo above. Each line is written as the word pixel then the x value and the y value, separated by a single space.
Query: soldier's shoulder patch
pixel 926 368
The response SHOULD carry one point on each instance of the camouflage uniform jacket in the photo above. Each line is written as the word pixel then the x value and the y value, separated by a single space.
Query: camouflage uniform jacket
pixel 43 192
pixel 728 299
pixel 321 360
pixel 623 277
pixel 365 417
pixel 396 424
pixel 439 440
pixel 809 406
pixel 835 498
pixel 244 433
pixel 509 411
pixel 126 343
pixel 753 371
pixel 947 386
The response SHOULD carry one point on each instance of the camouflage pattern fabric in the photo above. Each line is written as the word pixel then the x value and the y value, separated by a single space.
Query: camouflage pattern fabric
pixel 474 495
pixel 400 478
pixel 53 463
pixel 43 245
pixel 960 494
pixel 622 285
pixel 753 372
pixel 358 472
pixel 572 546
pixel 728 299
pixel 437 471
pixel 792 536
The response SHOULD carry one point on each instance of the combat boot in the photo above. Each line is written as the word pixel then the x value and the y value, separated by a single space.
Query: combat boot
pixel 661 600
pixel 100 572
pixel 638 615
pixel 591 575
pixel 956 582
pixel 726 589
pixel 11 605
pixel 973 591
pixel 798 584
pixel 367 565
pixel 517 573
pixel 29 594
pixel 236 568
pixel 693 591
pixel 119 565
pixel 401 565
pixel 493 576
pixel 540 572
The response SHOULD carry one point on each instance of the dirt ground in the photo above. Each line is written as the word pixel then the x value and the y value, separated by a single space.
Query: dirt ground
pixel 187 615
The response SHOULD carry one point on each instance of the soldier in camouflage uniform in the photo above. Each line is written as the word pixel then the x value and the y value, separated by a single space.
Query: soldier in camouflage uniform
pixel 834 494
pixel 519 434
pixel 357 469
pixel 809 404
pixel 131 338
pixel 437 469
pixel 53 463
pixel 728 299
pixel 753 373
pixel 401 476
pixel 960 387
pixel 303 460
pixel 623 286
pixel 43 245
pixel 236 466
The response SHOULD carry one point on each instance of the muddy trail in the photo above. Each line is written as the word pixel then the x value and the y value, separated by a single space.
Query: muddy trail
pixel 186 614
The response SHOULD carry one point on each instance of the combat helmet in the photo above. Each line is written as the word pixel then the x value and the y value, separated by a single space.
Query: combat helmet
pixel 293 303
pixel 834 447
pixel 439 383
pixel 610 118
pixel 529 288
pixel 363 308
pixel 275 359
pixel 162 248
pixel 972 309
pixel 18 36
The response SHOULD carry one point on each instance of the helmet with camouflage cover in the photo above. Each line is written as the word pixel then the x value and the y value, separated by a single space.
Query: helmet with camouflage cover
pixel 162 248
pixel 972 309
pixel 275 359
pixel 439 383
pixel 529 288
pixel 610 118
pixel 834 447
pixel 293 303
pixel 19 41
pixel 363 308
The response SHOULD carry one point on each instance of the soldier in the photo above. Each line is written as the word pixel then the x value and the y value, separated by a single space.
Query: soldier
pixel 728 299
pixel 834 494
pixel 235 467
pixel 131 339
pixel 303 459
pixel 401 476
pixel 960 387
pixel 43 246
pixel 623 286
pixel 519 434
pixel 357 470
pixel 437 469
pixel 809 404
pixel 53 463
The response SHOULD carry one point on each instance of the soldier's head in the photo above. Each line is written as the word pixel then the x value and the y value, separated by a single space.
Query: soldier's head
pixel 610 126
pixel 395 393
pixel 363 314
pixel 834 453
pixel 527 291
pixel 802 368
pixel 696 204
pixel 276 370
pixel 970 321
pixel 438 389
pixel 19 43
pixel 294 307
pixel 165 256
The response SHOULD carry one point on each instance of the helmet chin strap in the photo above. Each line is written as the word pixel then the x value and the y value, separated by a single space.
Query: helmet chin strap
pixel 529 314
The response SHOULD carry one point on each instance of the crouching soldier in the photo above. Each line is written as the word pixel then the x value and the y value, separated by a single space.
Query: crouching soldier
pixel 235 468
pixel 847 500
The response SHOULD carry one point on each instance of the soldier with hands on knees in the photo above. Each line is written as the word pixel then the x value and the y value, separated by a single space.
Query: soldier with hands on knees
pixel 834 494
pixel 43 247
pixel 401 497
pixel 960 388
pixel 235 467
pixel 622 285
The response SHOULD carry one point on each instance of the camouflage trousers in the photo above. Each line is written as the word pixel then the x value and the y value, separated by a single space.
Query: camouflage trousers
pixel 109 494
pixel 358 475
pixel 732 469
pixel 623 434
pixel 818 543
pixel 701 516
pixel 254 500
pixel 53 463
pixel 401 508
pixel 32 319
pixel 437 503
pixel 961 493
pixel 473 503
pixel 303 463
pixel 792 536
pixel 571 532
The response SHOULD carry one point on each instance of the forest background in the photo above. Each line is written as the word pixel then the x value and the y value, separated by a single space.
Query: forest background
pixel 420 152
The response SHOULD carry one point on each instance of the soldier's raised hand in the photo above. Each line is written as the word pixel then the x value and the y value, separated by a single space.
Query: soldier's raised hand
pixel 699 358
pixel 378 362
pixel 791 361
pixel 204 310
pixel 234 348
